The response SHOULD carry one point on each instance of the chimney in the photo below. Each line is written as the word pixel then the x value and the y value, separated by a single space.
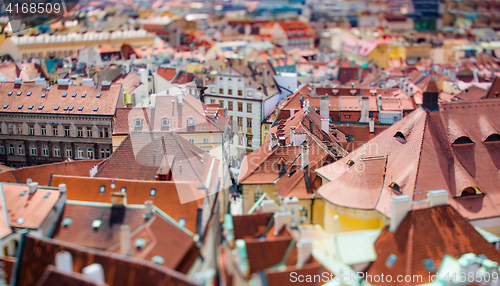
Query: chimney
pixel 267 206
pixel 63 81
pixel 32 187
pixel 94 272
pixel 304 250
pixel 324 107
pixel 180 97
pixel 305 156
pixel 379 102
pixel 125 240
pixel 18 81
pixel 371 125
pixel 282 141
pixel 264 74
pixel 40 81
pixel 365 109
pixel 62 188
pixel 87 82
pixel 64 262
pixel 292 205
pixel 119 199
pixel 476 78
pixel 148 209
pixel 325 125
pixel 292 113
pixel 143 76
pixel 274 141
pixel 292 135
pixel 431 97
pixel 437 198
pixel 280 220
pixel 400 206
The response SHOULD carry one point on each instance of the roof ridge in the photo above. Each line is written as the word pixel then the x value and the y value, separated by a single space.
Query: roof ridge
pixel 196 171
pixel 420 153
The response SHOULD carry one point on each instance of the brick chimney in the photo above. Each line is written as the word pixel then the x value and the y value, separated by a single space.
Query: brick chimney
pixel 431 97
pixel 125 240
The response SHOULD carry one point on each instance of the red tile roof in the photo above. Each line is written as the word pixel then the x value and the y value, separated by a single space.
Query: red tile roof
pixel 38 253
pixel 425 160
pixel 120 126
pixel 167 73
pixel 429 233
pixel 55 102
pixel 53 276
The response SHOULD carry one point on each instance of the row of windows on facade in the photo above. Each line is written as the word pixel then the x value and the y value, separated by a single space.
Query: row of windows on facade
pixel 103 131
pixel 241 139
pixel 33 151
pixel 49 54
pixel 230 92
pixel 230 105
pixel 165 122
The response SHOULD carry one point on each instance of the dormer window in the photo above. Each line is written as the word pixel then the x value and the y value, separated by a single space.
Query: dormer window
pixel 493 138
pixel 191 121
pixel 463 140
pixel 400 136
pixel 165 122
pixel 391 260
pixel 469 192
pixel 395 187
pixel 138 122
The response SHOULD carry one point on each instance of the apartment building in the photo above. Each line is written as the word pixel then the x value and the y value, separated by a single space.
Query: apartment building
pixel 44 124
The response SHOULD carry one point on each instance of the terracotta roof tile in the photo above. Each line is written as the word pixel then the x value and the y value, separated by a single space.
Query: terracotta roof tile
pixel 53 276
pixel 121 125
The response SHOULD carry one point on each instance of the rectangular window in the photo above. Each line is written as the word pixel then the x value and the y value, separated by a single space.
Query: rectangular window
pixel 205 140
pixel 221 91
pixel 89 131
pixel 19 129
pixel 257 194
pixel 240 106
pixel 69 152
pixel 212 101
pixel 57 152
pixel 249 122
pixel 80 131
pixel 191 141
pixel 266 127
pixel 230 121
pixel 66 131
pixel 103 132
pixel 240 121
pixel 2 148
pixel 347 116
pixel 249 140
pixel 20 150
pixel 240 139
pixel 249 107
pixel 43 130
pixel 230 91
pixel 32 129
pixel 90 153
pixel 240 92
pixel 231 138
pixel 221 103
pixel 45 150
pixel 230 105
pixel 55 131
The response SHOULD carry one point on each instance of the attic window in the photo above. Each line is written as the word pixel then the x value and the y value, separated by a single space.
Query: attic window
pixel 67 221
pixel 29 93
pixel 429 265
pixel 5 106
pixel 191 121
pixel 40 107
pixel 48 88
pixel 56 108
pixel 30 107
pixel 470 191
pixel 80 108
pixel 152 193
pixel 138 122
pixel 96 108
pixel 44 95
pixel 102 189
pixel 10 93
pixel 64 95
pixel 71 108
pixel 165 122
pixel 140 243
pixel 23 193
pixel 20 106
pixel 400 136
pixel 158 259
pixel 73 95
pixel 395 187
pixel 96 223
pixel 391 260
pixel 19 93
pixel 47 195
pixel 98 95
pixel 463 140
pixel 83 95
pixel 66 108
pixel 493 138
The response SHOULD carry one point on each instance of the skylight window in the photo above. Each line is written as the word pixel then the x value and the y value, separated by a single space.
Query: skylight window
pixel 20 220
pixel 98 95
pixel 48 88
pixel 67 221
pixel 20 106
pixel 30 107
pixel 96 223
pixel 44 95
pixel 102 189
pixel 29 93
pixel 66 107
pixel 10 93
pixel 5 106
pixel 19 93
pixel 152 192
pixel 140 243
pixel 96 108
pixel 400 136
pixel 80 108
pixel 47 195
pixel 463 140
pixel 73 95
pixel 71 108
pixel 56 108
pixel 391 260
pixel 23 193
pixel 65 94
pixel 158 259
pixel 40 107
pixel 429 265
pixel 83 95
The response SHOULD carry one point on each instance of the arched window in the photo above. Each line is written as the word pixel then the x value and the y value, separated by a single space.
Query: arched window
pixel 191 121
pixel 165 122
pixel 463 140
pixel 90 153
pixel 138 122
pixel 470 191
pixel 493 138
pixel 80 153
pixel 400 136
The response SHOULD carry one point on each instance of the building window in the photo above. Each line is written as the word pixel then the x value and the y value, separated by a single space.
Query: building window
pixel 138 122
pixel 212 101
pixel 69 152
pixel 221 103
pixel 249 140
pixel 230 105
pixel 89 131
pixel 190 121
pixel 66 131
pixel 2 148
pixel 240 139
pixel 249 107
pixel 249 123
pixel 249 93
pixel 257 194
pixel 347 116
pixel 206 141
pixel 240 106
pixel 102 153
pixel 240 92
pixel 240 121
pixel 10 129
pixel 80 131
pixel 80 153
pixel 103 132
pixel 231 138
pixel 90 153
pixel 230 121
pixel 165 122
pixel 266 127
pixel 19 129
pixel 57 151
pixel 230 91
pixel 45 150
pixel 108 153
pixel 20 150
pixel 43 130
pixel 11 149
pixel 55 131
pixel 32 129
pixel 221 91
pixel 191 141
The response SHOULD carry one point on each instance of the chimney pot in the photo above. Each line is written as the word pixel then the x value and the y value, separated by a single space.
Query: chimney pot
pixel 62 188
pixel 32 187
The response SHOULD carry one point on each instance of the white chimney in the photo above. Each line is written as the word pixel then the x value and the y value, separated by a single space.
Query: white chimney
pixel 93 171
pixel 305 156
pixel 18 81
pixel 304 250
pixel 180 97
pixel 63 81
pixel 88 82
pixel 292 113
pixel 291 205
pixel 94 272
pixel 325 125
pixel 365 109
pixel 280 220
pixel 125 243
pixel 400 206
pixel 273 141
pixel 32 187
pixel 324 107
pixel 437 198
pixel 476 78
pixel 143 76
pixel 292 135
pixel 148 209
pixel 62 188
pixel 64 262
pixel 267 206
pixel 29 180
pixel 40 81
pixel 371 125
